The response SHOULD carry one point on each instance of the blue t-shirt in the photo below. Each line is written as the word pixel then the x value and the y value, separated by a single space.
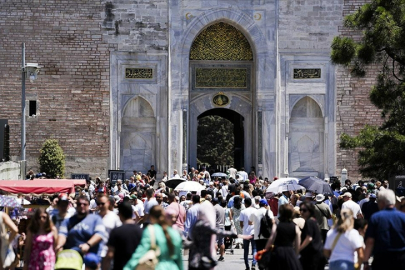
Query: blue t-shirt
pixel 387 227
pixel 78 231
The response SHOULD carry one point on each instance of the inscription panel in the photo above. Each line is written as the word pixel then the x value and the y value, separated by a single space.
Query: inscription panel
pixel 138 73
pixel 221 77
pixel 307 73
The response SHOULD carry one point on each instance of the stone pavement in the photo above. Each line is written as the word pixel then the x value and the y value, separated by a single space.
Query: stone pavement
pixel 232 262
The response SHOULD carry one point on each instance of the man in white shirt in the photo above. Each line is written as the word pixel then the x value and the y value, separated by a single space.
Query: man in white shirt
pixel 255 219
pixel 243 175
pixel 110 220
pixel 175 174
pixel 232 172
pixel 224 189
pixel 137 209
pixel 348 203
pixel 248 229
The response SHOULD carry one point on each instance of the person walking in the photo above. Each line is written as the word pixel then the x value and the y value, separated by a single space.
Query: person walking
pixel 285 241
pixel 110 220
pixel 342 242
pixel 236 210
pixel 220 225
pixel 322 214
pixel 178 210
pixel 255 219
pixel 385 235
pixel 311 240
pixel 192 216
pixel 202 253
pixel 82 232
pixel 39 251
pixel 123 240
pixel 349 203
pixel 167 239
pixel 248 229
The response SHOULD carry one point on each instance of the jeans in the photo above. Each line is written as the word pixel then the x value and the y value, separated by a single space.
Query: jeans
pixel 341 265
pixel 246 252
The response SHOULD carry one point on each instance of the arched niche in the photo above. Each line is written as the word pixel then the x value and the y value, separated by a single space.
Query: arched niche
pixel 138 130
pixel 306 139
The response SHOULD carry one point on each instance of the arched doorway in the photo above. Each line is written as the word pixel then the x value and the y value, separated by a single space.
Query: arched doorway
pixel 220 138
pixel 138 126
pixel 222 64
pixel 306 139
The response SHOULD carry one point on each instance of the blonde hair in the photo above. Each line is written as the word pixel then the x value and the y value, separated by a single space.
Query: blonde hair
pixel 345 222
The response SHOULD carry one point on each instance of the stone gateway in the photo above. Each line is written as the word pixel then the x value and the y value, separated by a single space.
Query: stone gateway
pixel 124 83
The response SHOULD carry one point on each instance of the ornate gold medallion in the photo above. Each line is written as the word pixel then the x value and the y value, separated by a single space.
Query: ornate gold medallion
pixel 220 99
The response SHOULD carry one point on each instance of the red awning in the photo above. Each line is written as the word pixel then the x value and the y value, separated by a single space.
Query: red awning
pixel 39 186
pixel 76 182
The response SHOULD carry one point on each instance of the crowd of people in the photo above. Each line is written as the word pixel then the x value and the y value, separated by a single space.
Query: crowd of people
pixel 116 225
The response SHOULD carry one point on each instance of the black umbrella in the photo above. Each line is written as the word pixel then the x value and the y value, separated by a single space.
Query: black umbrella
pixel 316 185
pixel 174 182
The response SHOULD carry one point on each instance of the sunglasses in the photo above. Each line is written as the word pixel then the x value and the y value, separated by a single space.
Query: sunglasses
pixel 303 210
pixel 100 203
pixel 82 204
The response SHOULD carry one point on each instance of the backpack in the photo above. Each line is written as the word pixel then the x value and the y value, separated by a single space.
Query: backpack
pixel 265 225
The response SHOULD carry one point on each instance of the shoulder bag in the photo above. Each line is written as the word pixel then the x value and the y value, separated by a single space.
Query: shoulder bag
pixel 150 259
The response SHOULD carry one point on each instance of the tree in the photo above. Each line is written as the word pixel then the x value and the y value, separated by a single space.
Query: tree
pixel 216 141
pixel 382 24
pixel 52 159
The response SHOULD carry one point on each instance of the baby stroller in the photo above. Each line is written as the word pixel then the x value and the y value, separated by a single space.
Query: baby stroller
pixel 69 259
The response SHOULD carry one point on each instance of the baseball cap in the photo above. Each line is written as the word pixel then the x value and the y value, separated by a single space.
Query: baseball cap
pixel 133 197
pixel 91 260
pixel 347 194
pixel 263 202
pixel 373 196
pixel 63 197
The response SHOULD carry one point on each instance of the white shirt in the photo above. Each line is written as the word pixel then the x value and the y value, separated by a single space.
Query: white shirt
pixel 345 246
pixel 139 209
pixel 352 206
pixel 243 175
pixel 224 191
pixel 232 172
pixel 110 221
pixel 255 217
pixel 244 217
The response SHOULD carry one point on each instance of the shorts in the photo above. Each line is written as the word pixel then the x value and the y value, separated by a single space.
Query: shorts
pixel 220 240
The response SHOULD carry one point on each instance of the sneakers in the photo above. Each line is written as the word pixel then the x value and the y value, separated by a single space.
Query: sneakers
pixel 221 259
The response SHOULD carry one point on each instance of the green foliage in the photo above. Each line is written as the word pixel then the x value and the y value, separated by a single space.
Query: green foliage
pixel 382 23
pixel 52 159
pixel 216 141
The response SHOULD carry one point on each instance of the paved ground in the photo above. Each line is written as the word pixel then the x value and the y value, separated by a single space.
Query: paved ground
pixel 232 262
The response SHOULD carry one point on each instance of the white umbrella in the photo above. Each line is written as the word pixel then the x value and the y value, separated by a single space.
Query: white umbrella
pixel 288 187
pixel 190 186
pixel 273 188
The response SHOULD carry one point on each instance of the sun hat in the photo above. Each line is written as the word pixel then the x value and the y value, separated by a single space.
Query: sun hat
pixel 320 198
pixel 347 194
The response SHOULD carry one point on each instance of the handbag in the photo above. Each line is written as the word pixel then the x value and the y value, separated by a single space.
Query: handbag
pixel 265 259
pixel 7 253
pixel 150 259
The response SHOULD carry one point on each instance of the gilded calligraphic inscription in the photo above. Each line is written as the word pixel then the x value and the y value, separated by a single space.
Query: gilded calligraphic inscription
pixel 307 73
pixel 221 78
pixel 138 73
pixel 221 41
pixel 220 99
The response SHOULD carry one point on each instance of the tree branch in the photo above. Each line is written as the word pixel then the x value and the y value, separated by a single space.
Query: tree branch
pixel 393 72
